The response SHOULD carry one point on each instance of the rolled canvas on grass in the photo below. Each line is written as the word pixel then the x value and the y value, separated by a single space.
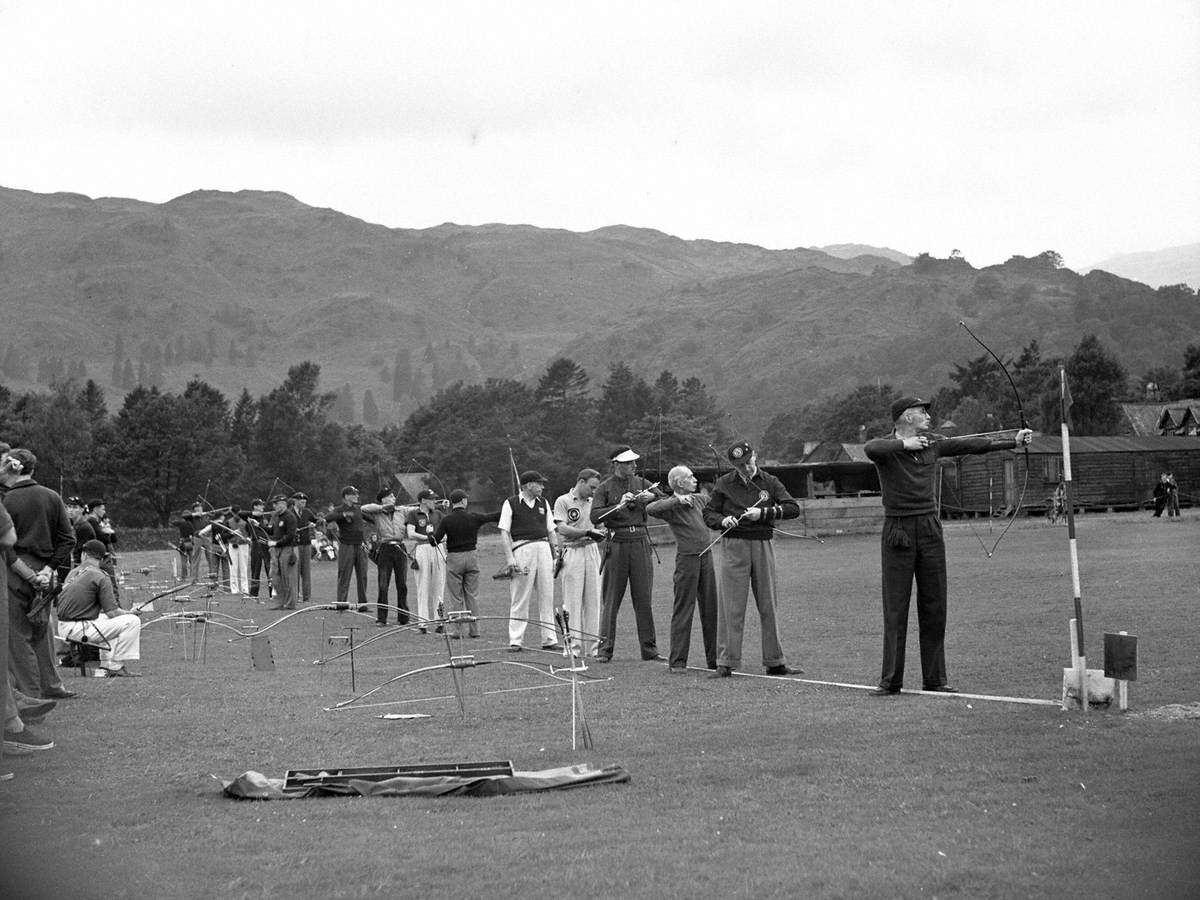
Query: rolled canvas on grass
pixel 256 786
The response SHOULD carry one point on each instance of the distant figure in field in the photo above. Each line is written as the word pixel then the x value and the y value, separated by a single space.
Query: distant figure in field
pixel 1172 496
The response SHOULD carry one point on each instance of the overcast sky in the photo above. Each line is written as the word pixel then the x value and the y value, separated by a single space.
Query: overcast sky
pixel 995 128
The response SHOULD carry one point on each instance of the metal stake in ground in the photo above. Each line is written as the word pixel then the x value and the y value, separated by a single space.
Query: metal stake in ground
pixel 562 620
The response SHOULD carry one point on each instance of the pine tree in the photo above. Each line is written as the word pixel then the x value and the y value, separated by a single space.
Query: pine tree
pixel 370 411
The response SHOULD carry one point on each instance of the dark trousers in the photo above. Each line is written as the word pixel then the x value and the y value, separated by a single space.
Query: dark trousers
pixel 391 560
pixel 304 558
pixel 352 558
pixel 30 648
pixel 259 560
pixel 628 564
pixel 284 567
pixel 695 588
pixel 912 547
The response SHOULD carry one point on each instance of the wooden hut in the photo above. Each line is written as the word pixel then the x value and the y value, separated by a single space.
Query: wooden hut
pixel 1106 473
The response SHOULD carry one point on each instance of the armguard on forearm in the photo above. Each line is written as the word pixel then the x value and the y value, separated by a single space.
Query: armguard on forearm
pixel 22 568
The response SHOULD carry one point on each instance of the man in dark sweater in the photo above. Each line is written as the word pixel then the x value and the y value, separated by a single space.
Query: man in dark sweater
pixel 911 545
pixel 284 561
pixel 306 529
pixel 45 538
pixel 745 505
pixel 260 555
pixel 84 531
pixel 352 556
pixel 461 532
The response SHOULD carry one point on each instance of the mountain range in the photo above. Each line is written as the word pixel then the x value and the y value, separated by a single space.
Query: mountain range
pixel 1172 265
pixel 235 287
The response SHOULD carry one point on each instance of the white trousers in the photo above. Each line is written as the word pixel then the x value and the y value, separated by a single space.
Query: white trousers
pixel 431 580
pixel 239 569
pixel 123 634
pixel 522 590
pixel 580 578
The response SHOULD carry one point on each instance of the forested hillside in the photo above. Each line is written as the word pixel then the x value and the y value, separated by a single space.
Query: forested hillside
pixel 236 288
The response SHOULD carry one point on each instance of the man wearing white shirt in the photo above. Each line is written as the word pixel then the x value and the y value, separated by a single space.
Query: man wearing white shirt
pixel 581 559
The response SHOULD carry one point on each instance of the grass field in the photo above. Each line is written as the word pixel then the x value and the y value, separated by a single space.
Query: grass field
pixel 746 787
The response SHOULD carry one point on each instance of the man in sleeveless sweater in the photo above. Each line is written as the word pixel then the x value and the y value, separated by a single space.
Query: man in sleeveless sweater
pixel 526 531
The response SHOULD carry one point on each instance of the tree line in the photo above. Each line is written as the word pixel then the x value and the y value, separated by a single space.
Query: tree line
pixel 161 451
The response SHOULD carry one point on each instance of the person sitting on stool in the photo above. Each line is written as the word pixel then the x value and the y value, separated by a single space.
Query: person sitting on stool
pixel 88 613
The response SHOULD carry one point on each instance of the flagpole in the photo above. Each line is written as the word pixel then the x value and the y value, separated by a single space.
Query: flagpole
pixel 1079 659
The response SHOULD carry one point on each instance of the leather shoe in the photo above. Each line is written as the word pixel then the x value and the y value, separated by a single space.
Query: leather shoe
pixel 59 694
pixel 515 648
pixel 553 648
pixel 883 692
pixel 603 659
pixel 721 672
pixel 34 710
pixel 940 689
pixel 678 670
pixel 783 670
pixel 657 657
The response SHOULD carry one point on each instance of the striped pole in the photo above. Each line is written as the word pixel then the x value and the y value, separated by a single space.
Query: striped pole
pixel 1079 659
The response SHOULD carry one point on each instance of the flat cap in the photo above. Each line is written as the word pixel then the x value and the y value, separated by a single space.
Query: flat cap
pixel 95 548
pixel 903 403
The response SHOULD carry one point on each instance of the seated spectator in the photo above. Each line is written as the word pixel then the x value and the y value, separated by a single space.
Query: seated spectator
pixel 88 611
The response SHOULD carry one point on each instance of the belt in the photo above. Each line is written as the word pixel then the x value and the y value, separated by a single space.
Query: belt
pixel 527 541
pixel 627 533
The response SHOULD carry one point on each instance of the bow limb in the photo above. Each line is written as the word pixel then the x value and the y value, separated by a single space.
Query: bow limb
pixel 1024 427
pixel 432 474
pixel 512 462
pixel 1007 374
